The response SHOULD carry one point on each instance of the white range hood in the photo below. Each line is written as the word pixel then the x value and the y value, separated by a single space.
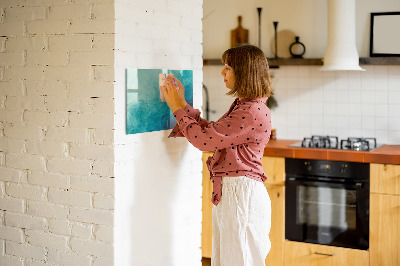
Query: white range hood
pixel 341 51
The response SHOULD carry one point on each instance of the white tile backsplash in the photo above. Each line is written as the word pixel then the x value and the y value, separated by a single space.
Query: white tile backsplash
pixel 394 124
pixel 342 123
pixel 382 110
pixel 367 97
pixel 381 98
pixel 343 103
pixel 394 82
pixel 380 71
pixel 382 136
pixel 394 97
pixel 329 109
pixel 394 110
pixel 381 83
pixel 367 110
pixel 393 71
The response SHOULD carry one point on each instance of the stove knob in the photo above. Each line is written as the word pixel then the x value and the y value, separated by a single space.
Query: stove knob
pixel 343 168
pixel 308 166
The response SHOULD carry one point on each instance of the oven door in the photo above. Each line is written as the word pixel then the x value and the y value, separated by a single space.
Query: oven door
pixel 327 213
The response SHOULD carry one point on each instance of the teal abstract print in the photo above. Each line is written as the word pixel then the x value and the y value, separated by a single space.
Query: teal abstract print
pixel 146 109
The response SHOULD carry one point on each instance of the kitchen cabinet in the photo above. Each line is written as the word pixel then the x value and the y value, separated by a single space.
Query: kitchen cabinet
pixel 384 247
pixel 274 168
pixel 305 254
pixel 385 178
pixel 385 229
pixel 385 214
pixel 206 225
pixel 277 233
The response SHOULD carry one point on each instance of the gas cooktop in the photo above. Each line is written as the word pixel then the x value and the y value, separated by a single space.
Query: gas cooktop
pixel 332 142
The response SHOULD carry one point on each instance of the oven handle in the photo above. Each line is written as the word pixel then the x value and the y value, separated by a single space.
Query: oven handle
pixel 357 185
pixel 324 254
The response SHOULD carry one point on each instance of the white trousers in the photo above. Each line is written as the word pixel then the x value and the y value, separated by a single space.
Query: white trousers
pixel 241 223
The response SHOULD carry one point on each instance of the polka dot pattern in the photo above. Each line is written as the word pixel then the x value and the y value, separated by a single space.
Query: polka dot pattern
pixel 238 139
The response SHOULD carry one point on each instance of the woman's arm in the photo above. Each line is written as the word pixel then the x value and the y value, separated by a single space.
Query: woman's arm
pixel 189 110
pixel 237 128
pixel 193 113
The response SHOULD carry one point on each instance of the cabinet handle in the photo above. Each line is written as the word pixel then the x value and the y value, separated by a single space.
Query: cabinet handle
pixel 324 254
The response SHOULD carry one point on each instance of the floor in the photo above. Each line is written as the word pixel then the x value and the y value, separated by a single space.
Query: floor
pixel 206 261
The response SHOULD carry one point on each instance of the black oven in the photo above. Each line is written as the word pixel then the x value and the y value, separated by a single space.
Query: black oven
pixel 327 202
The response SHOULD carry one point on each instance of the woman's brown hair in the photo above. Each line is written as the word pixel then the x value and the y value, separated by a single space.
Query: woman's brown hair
pixel 250 66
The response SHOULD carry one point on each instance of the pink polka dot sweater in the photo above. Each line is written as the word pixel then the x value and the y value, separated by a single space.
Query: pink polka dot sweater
pixel 238 139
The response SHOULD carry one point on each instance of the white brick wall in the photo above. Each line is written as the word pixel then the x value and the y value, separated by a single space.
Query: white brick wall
pixel 156 177
pixel 56 132
pixel 25 221
pixel 62 138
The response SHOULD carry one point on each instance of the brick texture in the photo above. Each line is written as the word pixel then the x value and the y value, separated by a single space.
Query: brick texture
pixel 25 221
pixel 62 121
pixel 155 34
pixel 50 103
pixel 25 250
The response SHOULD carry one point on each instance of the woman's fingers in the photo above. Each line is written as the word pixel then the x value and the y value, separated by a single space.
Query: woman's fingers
pixel 171 87
pixel 180 90
pixel 169 91
pixel 171 97
pixel 179 83
pixel 163 89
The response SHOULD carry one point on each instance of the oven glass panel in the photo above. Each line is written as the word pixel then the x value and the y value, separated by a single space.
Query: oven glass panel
pixel 326 207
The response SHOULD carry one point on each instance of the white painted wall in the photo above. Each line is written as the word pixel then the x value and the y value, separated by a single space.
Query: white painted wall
pixel 344 103
pixel 158 180
pixel 305 18
pixel 56 132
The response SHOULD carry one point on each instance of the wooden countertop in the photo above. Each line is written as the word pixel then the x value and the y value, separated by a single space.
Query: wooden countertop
pixel 389 154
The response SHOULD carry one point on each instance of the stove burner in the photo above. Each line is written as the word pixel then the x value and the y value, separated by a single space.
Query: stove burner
pixel 328 142
pixel 332 142
pixel 358 144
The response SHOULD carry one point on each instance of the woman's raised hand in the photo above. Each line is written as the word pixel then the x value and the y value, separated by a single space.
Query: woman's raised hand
pixel 181 91
pixel 174 92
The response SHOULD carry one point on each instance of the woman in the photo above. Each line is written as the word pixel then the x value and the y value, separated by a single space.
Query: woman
pixel 242 208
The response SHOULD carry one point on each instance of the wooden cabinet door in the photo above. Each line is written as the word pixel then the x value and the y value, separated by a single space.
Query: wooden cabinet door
pixel 206 225
pixel 384 236
pixel 274 168
pixel 385 178
pixel 277 233
pixel 304 254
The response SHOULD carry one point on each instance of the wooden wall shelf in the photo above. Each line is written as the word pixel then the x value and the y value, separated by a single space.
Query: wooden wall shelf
pixel 380 61
pixel 274 63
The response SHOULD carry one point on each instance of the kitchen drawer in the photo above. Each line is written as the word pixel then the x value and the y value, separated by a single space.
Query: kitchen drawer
pixel 305 254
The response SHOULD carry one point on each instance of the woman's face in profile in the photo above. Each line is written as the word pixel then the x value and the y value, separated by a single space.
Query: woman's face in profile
pixel 229 76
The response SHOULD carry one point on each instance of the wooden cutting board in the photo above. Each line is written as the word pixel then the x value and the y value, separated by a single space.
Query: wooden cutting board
pixel 239 35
